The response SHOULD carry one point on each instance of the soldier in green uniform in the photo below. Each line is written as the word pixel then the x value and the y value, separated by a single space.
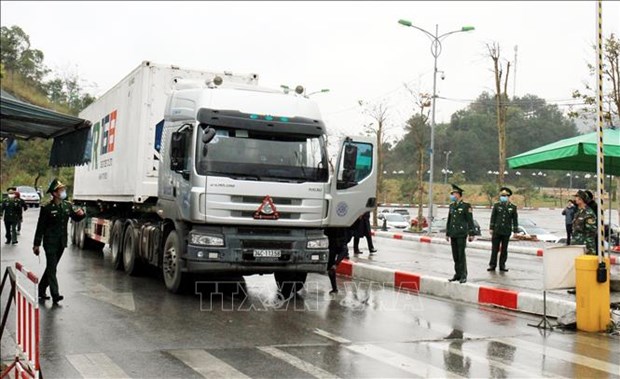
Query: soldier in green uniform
pixel 503 222
pixel 52 231
pixel 584 224
pixel 11 209
pixel 460 225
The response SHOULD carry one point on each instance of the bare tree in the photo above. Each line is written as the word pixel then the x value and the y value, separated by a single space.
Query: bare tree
pixel 416 126
pixel 501 101
pixel 378 112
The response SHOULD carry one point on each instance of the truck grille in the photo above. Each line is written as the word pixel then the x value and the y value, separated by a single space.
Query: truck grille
pixel 256 244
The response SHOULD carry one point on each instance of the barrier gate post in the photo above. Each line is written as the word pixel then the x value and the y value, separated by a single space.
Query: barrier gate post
pixel 26 364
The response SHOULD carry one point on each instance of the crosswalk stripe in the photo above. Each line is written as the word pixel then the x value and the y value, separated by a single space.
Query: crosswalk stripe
pixel 404 363
pixel 206 364
pixel 513 369
pixel 96 365
pixel 309 368
pixel 331 336
pixel 562 355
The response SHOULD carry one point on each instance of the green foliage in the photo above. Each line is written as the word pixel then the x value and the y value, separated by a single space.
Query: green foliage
pixel 490 190
pixel 23 72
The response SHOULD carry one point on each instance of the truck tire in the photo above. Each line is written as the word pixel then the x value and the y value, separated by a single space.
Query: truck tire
pixel 290 282
pixel 116 245
pixel 171 263
pixel 83 241
pixel 130 251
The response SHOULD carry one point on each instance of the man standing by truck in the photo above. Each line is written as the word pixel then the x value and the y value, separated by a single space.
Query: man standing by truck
pixel 503 223
pixel 11 209
pixel 460 225
pixel 52 231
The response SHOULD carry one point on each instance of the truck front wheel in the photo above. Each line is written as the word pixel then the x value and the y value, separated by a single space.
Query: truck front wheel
pixel 290 282
pixel 171 263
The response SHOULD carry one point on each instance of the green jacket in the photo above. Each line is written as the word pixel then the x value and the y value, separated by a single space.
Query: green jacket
pixel 460 220
pixel 52 224
pixel 504 219
pixel 11 209
pixel 584 229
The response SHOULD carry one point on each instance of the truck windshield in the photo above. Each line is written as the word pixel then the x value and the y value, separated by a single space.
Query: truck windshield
pixel 252 155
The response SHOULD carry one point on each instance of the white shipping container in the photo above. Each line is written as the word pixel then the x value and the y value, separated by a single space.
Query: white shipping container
pixel 126 133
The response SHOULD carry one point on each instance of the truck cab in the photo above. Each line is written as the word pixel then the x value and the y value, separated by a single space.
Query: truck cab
pixel 245 179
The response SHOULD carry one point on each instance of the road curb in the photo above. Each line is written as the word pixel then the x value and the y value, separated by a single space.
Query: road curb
pixel 472 245
pixel 466 292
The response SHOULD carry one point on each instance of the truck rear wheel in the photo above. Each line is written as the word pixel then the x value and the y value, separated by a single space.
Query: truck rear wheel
pixel 116 245
pixel 171 263
pixel 290 282
pixel 130 251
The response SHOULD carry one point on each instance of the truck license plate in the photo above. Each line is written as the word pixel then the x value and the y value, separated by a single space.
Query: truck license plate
pixel 267 253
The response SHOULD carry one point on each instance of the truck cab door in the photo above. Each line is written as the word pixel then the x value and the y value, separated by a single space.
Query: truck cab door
pixel 354 182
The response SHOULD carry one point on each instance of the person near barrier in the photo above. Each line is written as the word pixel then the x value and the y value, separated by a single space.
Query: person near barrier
pixel 569 215
pixel 338 239
pixel 52 232
pixel 504 221
pixel 459 229
pixel 584 224
pixel 361 229
pixel 24 206
pixel 11 210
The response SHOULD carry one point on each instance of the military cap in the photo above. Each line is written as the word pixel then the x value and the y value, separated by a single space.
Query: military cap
pixel 583 195
pixel 505 191
pixel 54 185
pixel 590 195
pixel 456 188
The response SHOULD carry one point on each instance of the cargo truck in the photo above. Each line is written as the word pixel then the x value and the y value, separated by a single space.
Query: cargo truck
pixel 202 172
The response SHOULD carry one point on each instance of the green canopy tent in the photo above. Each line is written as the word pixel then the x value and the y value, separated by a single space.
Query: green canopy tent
pixel 573 154
pixel 21 120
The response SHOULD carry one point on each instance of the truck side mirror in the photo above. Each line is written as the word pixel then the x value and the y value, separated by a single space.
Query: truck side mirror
pixel 208 135
pixel 178 143
pixel 348 167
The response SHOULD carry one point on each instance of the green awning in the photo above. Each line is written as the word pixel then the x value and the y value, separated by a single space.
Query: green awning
pixel 21 120
pixel 573 154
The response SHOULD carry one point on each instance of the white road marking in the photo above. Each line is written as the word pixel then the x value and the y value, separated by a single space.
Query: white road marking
pixel 309 368
pixel 206 364
pixel 96 365
pixel 122 300
pixel 562 355
pixel 401 362
pixel 331 336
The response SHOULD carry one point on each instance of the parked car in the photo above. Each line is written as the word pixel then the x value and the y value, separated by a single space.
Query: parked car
pixel 535 232
pixel 29 195
pixel 439 226
pixel 403 212
pixel 395 221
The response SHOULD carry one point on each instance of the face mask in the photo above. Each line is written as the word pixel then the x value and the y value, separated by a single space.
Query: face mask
pixel 503 199
pixel 452 198
pixel 63 195
pixel 11 196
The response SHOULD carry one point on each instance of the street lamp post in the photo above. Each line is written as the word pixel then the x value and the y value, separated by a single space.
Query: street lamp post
pixel 447 153
pixel 435 51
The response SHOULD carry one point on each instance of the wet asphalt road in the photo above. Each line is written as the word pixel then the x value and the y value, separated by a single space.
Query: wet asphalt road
pixel 111 325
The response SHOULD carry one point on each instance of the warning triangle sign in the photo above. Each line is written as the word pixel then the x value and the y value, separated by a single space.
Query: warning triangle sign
pixel 267 210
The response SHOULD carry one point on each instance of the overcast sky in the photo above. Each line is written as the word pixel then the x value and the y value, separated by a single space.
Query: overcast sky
pixel 356 49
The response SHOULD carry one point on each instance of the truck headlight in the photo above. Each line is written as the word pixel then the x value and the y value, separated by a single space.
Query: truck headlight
pixel 322 243
pixel 201 239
